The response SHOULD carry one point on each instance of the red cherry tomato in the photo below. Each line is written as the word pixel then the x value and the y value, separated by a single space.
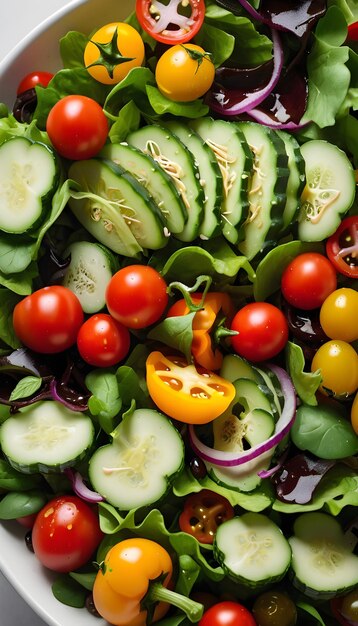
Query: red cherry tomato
pixel 77 127
pixel 308 280
pixel 262 331
pixel 202 514
pixel 48 320
pixel 342 247
pixel 34 78
pixel 65 534
pixel 102 341
pixel 353 32
pixel 137 296
pixel 165 23
pixel 227 614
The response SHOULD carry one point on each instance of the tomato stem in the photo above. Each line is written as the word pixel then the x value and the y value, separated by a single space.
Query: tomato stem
pixel 158 593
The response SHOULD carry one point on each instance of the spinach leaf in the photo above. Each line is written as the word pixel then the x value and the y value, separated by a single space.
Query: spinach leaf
pixel 72 47
pixel 12 480
pixel 311 610
pixel 127 121
pixel 8 300
pixel 131 388
pixel 219 43
pixel 21 503
pixel 305 383
pixel 323 432
pixel 85 579
pixel 162 105
pixel 69 592
pixel 176 332
pixel 132 87
pixel 105 401
pixel 26 387
pixel 21 282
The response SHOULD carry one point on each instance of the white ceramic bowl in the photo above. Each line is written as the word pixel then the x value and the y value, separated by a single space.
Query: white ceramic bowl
pixel 40 50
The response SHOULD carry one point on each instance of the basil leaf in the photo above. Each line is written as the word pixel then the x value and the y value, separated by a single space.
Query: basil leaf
pixel 12 480
pixel 19 504
pixel 26 387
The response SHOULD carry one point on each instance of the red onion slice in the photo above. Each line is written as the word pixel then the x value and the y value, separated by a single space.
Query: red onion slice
pixel 80 488
pixel 256 97
pixel 283 425
pixel 263 118
pixel 73 406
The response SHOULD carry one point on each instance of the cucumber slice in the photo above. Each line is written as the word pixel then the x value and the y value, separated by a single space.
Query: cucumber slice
pixel 235 161
pixel 137 468
pixel 175 158
pixel 154 178
pixel 46 437
pixel 329 192
pixel 28 179
pixel 323 564
pixel 249 394
pixel 252 550
pixel 115 208
pixel 267 189
pixel 296 179
pixel 88 274
pixel 210 177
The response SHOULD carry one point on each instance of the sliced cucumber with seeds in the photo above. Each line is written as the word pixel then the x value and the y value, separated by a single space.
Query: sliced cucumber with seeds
pixel 115 208
pixel 296 179
pixel 46 436
pixel 267 190
pixel 137 468
pixel 175 158
pixel 329 192
pixel 323 564
pixel 154 178
pixel 29 174
pixel 235 161
pixel 89 272
pixel 252 550
pixel 210 177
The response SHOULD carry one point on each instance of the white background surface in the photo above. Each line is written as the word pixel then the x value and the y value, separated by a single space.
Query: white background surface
pixel 17 18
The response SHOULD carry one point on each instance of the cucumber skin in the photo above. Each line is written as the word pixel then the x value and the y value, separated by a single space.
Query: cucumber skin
pixel 314 593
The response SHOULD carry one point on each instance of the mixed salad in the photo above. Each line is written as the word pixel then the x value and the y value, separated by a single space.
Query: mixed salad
pixel 178 338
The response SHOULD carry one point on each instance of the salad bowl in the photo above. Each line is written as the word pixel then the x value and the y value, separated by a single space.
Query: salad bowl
pixel 40 49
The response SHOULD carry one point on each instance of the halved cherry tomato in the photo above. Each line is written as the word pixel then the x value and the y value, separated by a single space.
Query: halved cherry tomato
pixel 175 22
pixel 342 247
pixel 185 393
pixel 184 73
pixel 202 514
pixel 113 51
pixel 34 78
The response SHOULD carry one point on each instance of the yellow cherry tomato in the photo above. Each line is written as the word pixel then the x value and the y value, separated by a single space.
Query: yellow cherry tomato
pixel 354 414
pixel 184 72
pixel 113 51
pixel 338 362
pixel 339 315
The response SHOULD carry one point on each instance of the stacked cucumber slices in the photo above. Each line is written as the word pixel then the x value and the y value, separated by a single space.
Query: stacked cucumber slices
pixel 241 180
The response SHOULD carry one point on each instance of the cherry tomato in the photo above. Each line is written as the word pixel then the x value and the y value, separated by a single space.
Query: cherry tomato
pixel 65 534
pixel 77 127
pixel 202 514
pixel 308 280
pixel 137 296
pixel 34 78
pixel 262 331
pixel 227 614
pixel 342 247
pixel 48 320
pixel 353 32
pixel 102 341
pixel 172 22
pixel 113 51
pixel 185 393
pixel 274 608
pixel 184 73
pixel 338 362
pixel 354 414
pixel 339 315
